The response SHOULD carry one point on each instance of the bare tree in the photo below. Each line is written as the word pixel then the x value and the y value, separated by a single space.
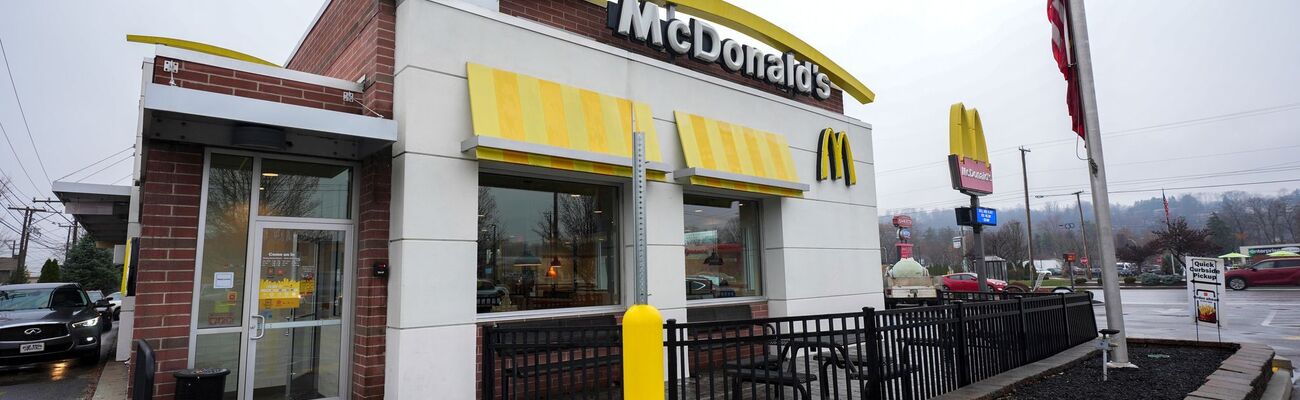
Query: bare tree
pixel 1182 240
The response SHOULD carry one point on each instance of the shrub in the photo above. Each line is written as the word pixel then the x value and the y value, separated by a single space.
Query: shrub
pixel 1171 279
pixel 1080 281
pixel 1149 279
pixel 1129 280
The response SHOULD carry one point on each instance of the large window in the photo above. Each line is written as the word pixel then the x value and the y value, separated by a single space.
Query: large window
pixel 302 189
pixel 722 248
pixel 225 241
pixel 546 244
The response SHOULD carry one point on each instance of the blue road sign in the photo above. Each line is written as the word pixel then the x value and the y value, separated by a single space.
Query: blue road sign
pixel 986 216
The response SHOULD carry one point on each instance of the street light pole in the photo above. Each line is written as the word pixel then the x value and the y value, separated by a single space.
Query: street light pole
pixel 1029 220
pixel 1083 234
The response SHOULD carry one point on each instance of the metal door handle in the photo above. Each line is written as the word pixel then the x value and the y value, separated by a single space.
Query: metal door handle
pixel 259 329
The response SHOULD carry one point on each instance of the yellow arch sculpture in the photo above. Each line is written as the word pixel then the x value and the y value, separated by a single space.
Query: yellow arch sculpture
pixel 966 134
pixel 199 47
pixel 730 16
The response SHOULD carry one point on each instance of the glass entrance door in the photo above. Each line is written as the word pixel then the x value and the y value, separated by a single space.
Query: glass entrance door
pixel 299 299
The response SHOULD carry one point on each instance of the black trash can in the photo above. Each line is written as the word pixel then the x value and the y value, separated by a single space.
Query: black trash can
pixel 201 383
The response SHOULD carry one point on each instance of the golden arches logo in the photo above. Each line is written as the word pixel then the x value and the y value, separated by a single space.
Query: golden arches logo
pixel 966 134
pixel 968 155
pixel 835 157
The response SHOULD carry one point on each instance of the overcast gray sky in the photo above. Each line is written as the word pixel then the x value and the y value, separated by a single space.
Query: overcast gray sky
pixel 1185 88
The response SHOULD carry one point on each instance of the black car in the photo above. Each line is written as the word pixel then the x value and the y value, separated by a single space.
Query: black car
pixel 48 321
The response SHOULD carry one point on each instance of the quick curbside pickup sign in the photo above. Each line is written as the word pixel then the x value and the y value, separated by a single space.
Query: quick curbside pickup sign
pixel 1204 288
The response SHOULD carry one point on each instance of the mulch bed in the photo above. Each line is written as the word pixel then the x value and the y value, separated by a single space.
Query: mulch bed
pixel 1158 377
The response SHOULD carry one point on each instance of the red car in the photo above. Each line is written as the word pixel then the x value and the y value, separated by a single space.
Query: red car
pixel 1273 271
pixel 967 282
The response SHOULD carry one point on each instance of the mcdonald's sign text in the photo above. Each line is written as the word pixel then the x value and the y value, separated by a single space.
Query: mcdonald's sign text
pixel 835 157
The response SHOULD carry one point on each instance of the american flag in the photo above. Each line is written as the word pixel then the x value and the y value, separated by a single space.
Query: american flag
pixel 1056 14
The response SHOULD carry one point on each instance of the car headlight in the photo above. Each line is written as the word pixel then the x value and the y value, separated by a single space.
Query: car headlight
pixel 86 323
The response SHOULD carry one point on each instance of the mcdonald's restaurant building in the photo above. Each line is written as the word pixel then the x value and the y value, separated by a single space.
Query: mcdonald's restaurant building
pixel 345 225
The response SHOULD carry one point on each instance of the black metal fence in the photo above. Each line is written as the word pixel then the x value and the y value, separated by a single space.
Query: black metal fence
pixel 541 362
pixel 912 353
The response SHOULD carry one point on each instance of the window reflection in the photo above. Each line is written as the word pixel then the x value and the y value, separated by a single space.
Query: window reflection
pixel 722 248
pixel 545 244
pixel 225 241
pixel 301 189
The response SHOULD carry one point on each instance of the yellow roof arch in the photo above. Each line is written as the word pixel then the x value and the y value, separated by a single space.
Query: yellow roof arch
pixel 199 47
pixel 731 16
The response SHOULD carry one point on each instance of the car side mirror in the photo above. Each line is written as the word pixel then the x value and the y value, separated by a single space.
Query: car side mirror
pixel 103 303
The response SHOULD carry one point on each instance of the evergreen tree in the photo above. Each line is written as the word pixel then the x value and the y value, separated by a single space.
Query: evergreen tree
pixel 91 267
pixel 18 276
pixel 1221 234
pixel 50 271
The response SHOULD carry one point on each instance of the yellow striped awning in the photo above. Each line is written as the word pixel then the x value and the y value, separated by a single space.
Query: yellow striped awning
pixel 729 156
pixel 521 119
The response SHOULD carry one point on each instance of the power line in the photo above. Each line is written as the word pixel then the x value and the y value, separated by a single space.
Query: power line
pixel 21 112
pixel 115 163
pixel 16 158
pixel 97 162
pixel 1012 196
pixel 1133 131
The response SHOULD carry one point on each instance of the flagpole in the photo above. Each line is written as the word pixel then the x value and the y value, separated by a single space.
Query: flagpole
pixel 1078 24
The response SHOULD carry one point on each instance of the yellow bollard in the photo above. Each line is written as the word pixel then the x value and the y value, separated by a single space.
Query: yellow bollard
pixel 643 357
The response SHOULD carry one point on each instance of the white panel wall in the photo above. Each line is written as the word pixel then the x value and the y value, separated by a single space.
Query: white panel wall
pixel 821 253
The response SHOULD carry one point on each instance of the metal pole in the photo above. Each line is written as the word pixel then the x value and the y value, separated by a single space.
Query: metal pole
pixel 638 200
pixel 979 266
pixel 1097 171
pixel 1083 234
pixel 24 236
pixel 1029 220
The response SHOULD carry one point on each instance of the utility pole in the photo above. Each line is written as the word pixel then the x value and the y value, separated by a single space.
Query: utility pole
pixel 26 233
pixel 1029 220
pixel 978 241
pixel 1083 234
pixel 72 227
pixel 1078 24
pixel 72 238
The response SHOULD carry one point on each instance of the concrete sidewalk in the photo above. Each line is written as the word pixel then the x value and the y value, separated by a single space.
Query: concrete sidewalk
pixel 112 382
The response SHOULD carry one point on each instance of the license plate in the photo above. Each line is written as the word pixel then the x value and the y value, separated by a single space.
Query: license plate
pixel 31 348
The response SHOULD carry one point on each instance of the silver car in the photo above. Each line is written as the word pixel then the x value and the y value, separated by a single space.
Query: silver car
pixel 48 321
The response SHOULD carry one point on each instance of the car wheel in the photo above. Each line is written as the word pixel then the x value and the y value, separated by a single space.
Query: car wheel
pixel 1237 284
pixel 117 314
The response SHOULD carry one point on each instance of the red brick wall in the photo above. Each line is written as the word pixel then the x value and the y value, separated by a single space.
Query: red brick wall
pixel 371 314
pixel 354 38
pixel 243 84
pixel 588 19
pixel 169 221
